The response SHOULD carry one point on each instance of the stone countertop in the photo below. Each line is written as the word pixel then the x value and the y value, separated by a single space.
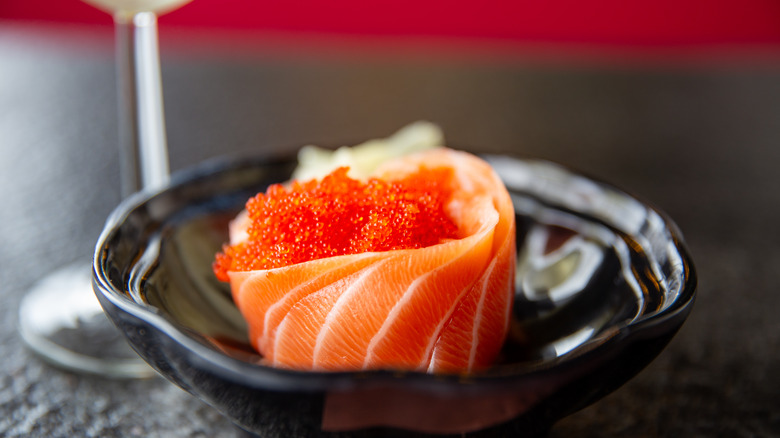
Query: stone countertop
pixel 700 142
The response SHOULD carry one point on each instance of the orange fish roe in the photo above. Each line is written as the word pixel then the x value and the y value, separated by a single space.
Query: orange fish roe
pixel 339 215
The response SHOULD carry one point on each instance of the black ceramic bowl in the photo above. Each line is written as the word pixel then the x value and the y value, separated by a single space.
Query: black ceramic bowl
pixel 603 283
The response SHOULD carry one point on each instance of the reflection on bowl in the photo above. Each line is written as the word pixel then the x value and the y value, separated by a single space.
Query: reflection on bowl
pixel 603 283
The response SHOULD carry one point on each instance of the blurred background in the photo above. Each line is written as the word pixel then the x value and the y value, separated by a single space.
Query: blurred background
pixel 677 101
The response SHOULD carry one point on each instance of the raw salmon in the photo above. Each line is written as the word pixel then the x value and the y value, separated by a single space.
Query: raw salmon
pixel 442 308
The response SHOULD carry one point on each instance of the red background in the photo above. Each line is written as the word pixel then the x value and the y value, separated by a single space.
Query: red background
pixel 608 22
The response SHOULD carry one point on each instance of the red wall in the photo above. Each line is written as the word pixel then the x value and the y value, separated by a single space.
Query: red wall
pixel 610 22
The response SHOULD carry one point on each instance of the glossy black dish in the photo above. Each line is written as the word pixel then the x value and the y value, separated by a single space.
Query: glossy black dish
pixel 604 282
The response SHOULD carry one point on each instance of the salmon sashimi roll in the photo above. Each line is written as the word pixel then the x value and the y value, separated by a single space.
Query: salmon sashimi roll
pixel 410 269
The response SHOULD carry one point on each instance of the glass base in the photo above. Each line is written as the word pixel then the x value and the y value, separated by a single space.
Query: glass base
pixel 61 320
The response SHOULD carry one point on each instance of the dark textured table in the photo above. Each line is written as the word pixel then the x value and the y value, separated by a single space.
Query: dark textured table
pixel 701 142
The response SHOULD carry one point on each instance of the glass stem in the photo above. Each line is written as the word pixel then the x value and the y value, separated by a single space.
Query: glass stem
pixel 142 139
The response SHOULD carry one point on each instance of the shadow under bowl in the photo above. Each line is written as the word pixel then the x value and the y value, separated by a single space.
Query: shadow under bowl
pixel 603 283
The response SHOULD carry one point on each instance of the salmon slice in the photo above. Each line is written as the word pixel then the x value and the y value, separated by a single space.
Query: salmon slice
pixel 480 314
pixel 268 295
pixel 443 308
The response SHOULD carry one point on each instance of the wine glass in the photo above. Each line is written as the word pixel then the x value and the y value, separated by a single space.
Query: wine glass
pixel 60 318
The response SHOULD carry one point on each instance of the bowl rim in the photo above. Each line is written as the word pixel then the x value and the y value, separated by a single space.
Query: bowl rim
pixel 268 377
